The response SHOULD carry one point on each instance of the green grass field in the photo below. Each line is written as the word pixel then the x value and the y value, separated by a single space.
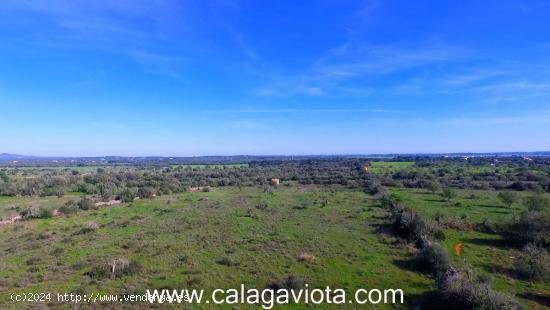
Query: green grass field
pixel 392 163
pixel 385 167
pixel 211 166
pixel 179 240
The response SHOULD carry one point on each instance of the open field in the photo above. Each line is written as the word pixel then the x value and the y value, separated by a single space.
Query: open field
pixel 211 166
pixel 331 223
pixel 179 239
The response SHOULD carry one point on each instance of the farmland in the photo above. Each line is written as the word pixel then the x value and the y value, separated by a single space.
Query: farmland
pixel 330 222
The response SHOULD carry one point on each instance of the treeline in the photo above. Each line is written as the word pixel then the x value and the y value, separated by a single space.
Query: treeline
pixel 474 173
pixel 144 182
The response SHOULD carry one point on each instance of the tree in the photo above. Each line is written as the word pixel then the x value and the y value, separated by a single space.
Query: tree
pixel 448 194
pixel 433 186
pixel 508 198
pixel 127 195
pixel 537 202
pixel 146 192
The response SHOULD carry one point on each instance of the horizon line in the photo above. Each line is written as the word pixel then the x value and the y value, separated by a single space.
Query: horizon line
pixel 277 155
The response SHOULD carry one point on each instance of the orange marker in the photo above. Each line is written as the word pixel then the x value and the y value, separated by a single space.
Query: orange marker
pixel 458 249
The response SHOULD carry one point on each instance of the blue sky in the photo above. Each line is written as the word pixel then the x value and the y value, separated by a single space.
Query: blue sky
pixel 180 78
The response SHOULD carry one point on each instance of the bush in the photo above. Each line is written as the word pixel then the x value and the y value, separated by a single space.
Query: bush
pixel 45 213
pixel 70 207
pixel 508 198
pixel 127 195
pixel 33 212
pixel 532 226
pixel 115 268
pixel 146 192
pixel 462 290
pixel 537 203
pixel 226 261
pixel 86 204
pixel 88 227
pixel 533 263
pixel 122 266
pixel 409 225
pixel 448 194
pixel 292 282
pixel 433 258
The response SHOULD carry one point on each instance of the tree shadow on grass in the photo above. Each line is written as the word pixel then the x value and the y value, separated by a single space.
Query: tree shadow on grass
pixel 431 300
pixel 489 206
pixel 496 269
pixel 500 212
pixel 498 243
pixel 541 299
pixel 406 264
pixel 422 193
pixel 435 200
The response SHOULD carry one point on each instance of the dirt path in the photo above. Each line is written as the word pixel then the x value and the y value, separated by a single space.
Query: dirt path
pixel 10 220
pixel 107 203
pixel 55 212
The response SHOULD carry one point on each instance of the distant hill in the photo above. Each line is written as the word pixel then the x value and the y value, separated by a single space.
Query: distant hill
pixel 7 159
pixel 7 156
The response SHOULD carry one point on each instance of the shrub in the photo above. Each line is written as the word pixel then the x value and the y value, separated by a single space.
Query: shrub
pixel 98 272
pixel 448 194
pixel 121 266
pixel 462 290
pixel 537 203
pixel 115 268
pixel 86 204
pixel 433 258
pixel 33 260
pixel 35 212
pixel 45 213
pixel 508 198
pixel 409 225
pixel 226 261
pixel 488 226
pixel 532 226
pixel 88 227
pixel 70 207
pixel 127 195
pixel 262 205
pixel 292 282
pixel 533 263
pixel 146 192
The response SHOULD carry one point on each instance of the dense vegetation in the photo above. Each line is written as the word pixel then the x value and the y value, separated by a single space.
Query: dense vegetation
pixel 111 181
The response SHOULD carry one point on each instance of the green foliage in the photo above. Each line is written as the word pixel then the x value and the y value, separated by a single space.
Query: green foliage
pixel 461 289
pixel 433 258
pixel 127 195
pixel 532 226
pixel 533 263
pixel 86 204
pixel 508 198
pixel 433 186
pixel 447 193
pixel 146 192
pixel 537 202
pixel 36 213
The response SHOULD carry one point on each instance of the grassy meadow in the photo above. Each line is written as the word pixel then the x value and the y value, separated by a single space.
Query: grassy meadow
pixel 211 239
pixel 230 236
